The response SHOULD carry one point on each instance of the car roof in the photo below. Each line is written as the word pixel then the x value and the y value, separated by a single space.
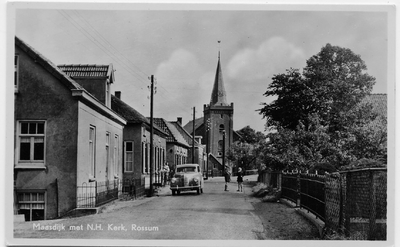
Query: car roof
pixel 187 165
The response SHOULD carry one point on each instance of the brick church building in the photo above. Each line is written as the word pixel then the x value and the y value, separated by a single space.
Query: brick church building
pixel 216 127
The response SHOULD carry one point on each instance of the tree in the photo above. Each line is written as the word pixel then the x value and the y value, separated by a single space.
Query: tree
pixel 318 115
pixel 243 153
pixel 249 135
pixel 246 151
pixel 333 82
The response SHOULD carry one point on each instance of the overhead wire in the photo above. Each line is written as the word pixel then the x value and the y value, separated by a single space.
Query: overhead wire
pixel 92 38
pixel 109 44
pixel 97 43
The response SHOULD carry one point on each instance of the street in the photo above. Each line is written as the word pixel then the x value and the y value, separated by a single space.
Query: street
pixel 215 214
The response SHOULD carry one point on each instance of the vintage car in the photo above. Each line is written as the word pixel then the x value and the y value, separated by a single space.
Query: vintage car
pixel 187 177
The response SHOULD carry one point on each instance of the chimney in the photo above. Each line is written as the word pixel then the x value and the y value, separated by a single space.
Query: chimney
pixel 179 119
pixel 118 94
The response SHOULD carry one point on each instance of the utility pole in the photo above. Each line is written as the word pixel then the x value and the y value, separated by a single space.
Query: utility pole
pixel 207 144
pixel 223 149
pixel 151 135
pixel 194 133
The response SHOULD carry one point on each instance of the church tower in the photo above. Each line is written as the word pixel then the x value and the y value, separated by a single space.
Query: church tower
pixel 218 121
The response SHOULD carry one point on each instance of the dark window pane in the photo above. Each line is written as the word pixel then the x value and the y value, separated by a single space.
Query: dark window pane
pixel 24 128
pixel 25 150
pixel 26 212
pixel 40 128
pixel 39 151
pixel 37 214
pixel 32 128
pixel 129 146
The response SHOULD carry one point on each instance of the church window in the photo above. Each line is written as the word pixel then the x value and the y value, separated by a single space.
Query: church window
pixel 220 142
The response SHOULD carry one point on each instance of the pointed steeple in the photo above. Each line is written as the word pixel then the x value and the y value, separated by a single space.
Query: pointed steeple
pixel 218 95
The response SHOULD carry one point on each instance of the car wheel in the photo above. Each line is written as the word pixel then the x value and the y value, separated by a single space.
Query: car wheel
pixel 173 192
pixel 198 191
pixel 178 192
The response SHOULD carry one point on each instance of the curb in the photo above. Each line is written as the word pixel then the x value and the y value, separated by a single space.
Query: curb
pixel 309 216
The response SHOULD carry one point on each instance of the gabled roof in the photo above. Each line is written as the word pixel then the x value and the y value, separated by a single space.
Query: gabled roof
pixel 88 70
pixel 215 159
pixel 183 132
pixel 76 89
pixel 126 111
pixel 130 114
pixel 174 134
pixel 198 122
pixel 48 65
pixel 236 135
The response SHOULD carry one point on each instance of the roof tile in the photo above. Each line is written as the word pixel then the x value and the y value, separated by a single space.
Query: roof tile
pixel 85 70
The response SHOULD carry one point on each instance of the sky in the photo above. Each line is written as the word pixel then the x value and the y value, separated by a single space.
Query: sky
pixel 180 48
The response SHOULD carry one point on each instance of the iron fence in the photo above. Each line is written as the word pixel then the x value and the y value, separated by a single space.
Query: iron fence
pixel 94 194
pixel 352 202
pixel 312 194
pixel 291 187
pixel 271 178
pixel 133 187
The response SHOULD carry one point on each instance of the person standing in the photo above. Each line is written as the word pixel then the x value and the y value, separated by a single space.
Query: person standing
pixel 227 177
pixel 240 180
pixel 166 173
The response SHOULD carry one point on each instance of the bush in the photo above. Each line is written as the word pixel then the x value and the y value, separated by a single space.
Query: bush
pixel 322 168
pixel 261 190
pixel 363 163
pixel 272 196
pixel 266 192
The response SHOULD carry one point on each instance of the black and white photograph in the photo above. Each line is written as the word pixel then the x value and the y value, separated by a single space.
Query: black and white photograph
pixel 185 124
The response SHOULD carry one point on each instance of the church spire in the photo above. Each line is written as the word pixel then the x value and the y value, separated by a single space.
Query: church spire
pixel 218 95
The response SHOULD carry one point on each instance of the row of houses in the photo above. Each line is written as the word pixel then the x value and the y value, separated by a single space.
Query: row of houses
pixel 73 138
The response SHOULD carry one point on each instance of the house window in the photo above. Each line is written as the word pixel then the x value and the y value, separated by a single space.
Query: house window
pixel 156 158
pixel 163 156
pixel 116 155
pixel 92 148
pixel 146 158
pixel 108 153
pixel 31 143
pixel 32 205
pixel 143 158
pixel 16 68
pixel 128 156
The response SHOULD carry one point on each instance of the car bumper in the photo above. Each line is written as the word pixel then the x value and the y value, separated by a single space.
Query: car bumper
pixel 191 187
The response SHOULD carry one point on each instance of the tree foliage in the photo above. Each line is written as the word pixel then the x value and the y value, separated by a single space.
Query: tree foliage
pixel 249 135
pixel 333 82
pixel 318 116
pixel 246 151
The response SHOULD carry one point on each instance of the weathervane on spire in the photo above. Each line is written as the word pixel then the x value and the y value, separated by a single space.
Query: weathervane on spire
pixel 219 48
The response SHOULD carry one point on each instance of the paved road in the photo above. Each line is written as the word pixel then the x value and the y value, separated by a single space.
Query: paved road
pixel 215 214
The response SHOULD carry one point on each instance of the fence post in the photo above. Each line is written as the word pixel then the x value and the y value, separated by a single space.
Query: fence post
pixel 279 182
pixel 95 193
pixel 372 207
pixel 298 202
pixel 347 205
pixel 340 223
